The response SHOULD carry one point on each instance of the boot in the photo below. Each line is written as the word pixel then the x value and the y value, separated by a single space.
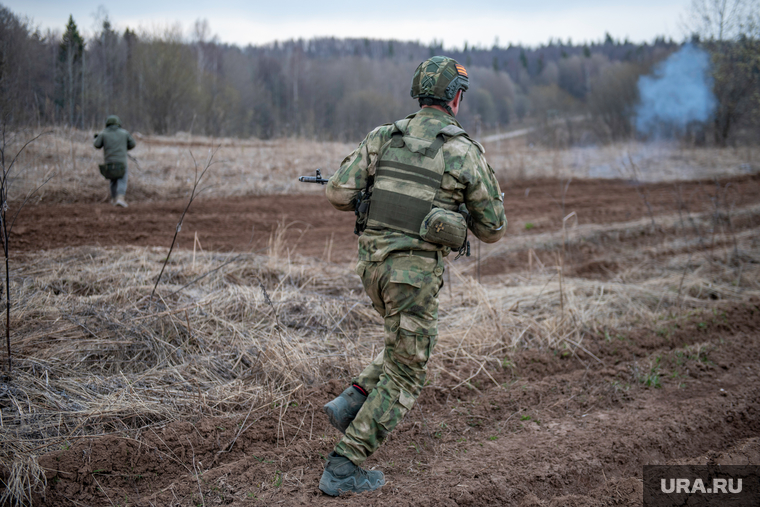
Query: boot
pixel 342 476
pixel 343 409
pixel 121 202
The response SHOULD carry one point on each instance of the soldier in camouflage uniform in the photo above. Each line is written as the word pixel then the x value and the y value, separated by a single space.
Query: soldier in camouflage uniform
pixel 423 162
pixel 115 142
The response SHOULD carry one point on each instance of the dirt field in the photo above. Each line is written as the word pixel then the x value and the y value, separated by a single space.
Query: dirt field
pixel 246 223
pixel 547 430
pixel 508 420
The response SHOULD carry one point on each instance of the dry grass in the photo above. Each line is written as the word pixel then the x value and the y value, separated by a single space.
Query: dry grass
pixel 94 355
pixel 164 166
pixel 254 167
pixel 229 333
pixel 654 162
pixel 672 273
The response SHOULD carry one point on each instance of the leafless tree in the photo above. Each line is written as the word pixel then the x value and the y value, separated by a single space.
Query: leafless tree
pixel 730 31
pixel 614 96
pixel 721 20
pixel 7 166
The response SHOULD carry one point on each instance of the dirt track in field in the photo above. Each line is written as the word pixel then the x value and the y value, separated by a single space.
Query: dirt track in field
pixel 247 223
pixel 545 429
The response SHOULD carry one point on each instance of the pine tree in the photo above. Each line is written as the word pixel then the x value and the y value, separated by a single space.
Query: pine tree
pixel 70 55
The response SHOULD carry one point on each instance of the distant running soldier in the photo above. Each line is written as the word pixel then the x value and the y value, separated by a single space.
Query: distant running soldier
pixel 115 142
pixel 417 186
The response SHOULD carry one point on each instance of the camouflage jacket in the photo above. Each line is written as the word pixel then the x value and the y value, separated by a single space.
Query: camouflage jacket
pixel 467 179
pixel 115 142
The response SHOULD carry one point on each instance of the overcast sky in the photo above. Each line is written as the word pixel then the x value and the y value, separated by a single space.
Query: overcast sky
pixel 478 22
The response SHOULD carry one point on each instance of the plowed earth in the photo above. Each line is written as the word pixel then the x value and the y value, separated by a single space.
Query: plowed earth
pixel 243 223
pixel 543 430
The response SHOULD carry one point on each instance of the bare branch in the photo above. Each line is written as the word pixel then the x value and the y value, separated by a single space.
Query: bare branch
pixel 193 194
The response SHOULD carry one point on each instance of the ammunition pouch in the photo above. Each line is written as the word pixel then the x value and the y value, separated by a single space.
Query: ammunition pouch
pixel 444 227
pixel 361 208
pixel 113 170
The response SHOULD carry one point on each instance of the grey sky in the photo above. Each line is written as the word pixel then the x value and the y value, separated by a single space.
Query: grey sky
pixel 477 22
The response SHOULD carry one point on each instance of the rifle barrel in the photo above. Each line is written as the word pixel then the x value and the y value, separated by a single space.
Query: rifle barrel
pixel 314 179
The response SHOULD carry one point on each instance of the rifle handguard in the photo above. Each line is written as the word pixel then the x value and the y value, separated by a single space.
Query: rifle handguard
pixel 314 179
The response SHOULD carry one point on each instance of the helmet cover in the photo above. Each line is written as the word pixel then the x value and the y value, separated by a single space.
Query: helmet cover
pixel 439 77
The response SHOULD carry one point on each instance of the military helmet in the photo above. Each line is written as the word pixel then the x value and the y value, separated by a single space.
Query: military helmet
pixel 439 77
pixel 113 120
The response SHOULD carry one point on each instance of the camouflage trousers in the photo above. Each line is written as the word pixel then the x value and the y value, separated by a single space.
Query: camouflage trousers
pixel 404 290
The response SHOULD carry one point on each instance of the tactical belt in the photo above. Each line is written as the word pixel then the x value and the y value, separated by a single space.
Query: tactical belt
pixel 430 254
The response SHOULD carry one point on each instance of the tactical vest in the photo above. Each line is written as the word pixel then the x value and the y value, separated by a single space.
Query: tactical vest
pixel 407 177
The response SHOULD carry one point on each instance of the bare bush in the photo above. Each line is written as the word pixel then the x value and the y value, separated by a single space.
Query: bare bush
pixel 613 99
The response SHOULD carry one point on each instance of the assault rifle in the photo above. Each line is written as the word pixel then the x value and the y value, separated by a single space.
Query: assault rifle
pixel 314 179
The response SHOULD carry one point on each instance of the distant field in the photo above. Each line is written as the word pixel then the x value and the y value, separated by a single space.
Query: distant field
pixel 165 166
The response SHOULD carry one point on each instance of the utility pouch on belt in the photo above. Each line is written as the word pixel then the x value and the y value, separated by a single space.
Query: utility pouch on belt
pixel 113 171
pixel 444 227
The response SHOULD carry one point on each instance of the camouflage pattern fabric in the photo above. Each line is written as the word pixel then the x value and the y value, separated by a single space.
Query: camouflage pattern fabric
pixel 467 179
pixel 439 77
pixel 404 290
pixel 402 282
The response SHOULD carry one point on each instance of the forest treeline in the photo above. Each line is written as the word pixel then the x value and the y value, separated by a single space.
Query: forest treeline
pixel 334 89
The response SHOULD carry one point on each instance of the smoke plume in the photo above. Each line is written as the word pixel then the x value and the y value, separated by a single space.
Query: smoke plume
pixel 678 93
